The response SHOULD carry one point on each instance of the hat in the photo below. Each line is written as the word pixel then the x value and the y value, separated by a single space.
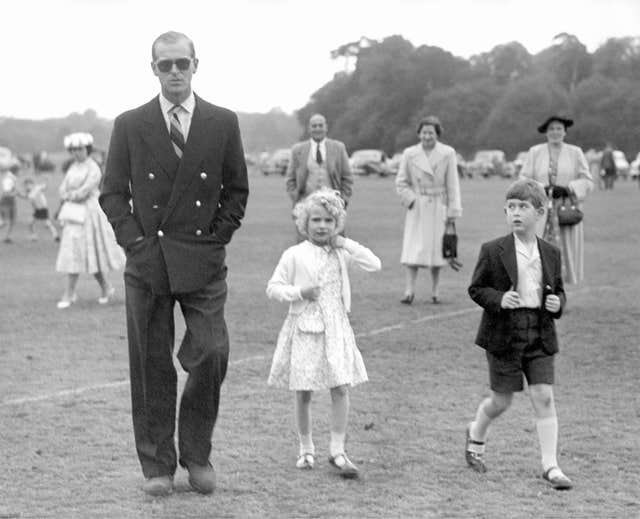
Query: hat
pixel 561 119
pixel 78 140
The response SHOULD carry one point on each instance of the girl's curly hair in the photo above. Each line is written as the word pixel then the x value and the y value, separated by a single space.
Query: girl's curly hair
pixel 329 199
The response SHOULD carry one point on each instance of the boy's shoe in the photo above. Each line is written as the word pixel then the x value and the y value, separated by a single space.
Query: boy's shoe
pixel 474 459
pixel 305 461
pixel 345 468
pixel 158 486
pixel 557 479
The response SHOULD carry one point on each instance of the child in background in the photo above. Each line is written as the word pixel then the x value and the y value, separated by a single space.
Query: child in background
pixel 518 282
pixel 8 193
pixel 316 347
pixel 35 194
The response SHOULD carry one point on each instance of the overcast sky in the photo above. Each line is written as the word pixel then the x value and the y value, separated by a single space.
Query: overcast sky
pixel 63 56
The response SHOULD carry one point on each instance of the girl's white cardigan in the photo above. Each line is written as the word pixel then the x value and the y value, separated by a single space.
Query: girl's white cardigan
pixel 298 267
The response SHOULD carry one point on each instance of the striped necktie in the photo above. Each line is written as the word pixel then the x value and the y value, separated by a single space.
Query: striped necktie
pixel 177 137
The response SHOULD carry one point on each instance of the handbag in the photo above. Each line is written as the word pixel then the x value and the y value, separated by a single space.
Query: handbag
pixel 450 246
pixel 450 241
pixel 72 212
pixel 568 213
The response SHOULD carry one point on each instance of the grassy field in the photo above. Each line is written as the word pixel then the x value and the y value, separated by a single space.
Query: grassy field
pixel 65 429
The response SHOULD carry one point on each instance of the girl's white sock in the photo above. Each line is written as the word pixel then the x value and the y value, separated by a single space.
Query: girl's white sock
pixel 306 444
pixel 337 443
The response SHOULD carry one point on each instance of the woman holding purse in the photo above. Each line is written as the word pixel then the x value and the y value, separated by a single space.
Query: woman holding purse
pixel 88 244
pixel 564 172
pixel 429 188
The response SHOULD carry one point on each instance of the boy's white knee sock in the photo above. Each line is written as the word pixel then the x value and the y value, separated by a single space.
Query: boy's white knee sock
pixel 548 436
pixel 480 426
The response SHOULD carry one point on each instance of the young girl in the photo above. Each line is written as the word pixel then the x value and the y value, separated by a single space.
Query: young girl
pixel 316 346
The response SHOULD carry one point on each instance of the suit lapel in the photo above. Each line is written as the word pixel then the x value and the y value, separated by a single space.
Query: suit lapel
pixel 508 257
pixel 546 268
pixel 303 172
pixel 193 152
pixel 156 135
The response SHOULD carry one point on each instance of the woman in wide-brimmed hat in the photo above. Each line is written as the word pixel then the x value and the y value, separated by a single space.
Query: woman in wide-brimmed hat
pixel 563 170
pixel 88 244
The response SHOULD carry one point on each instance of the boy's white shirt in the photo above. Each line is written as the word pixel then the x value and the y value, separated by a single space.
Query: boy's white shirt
pixel 298 267
pixel 529 273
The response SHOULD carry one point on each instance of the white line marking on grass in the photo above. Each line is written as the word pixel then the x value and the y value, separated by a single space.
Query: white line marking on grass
pixel 377 331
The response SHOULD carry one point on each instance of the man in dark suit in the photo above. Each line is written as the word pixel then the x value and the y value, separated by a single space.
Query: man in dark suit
pixel 175 190
pixel 318 162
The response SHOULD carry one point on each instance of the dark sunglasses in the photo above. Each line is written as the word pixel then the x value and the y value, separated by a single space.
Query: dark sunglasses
pixel 165 65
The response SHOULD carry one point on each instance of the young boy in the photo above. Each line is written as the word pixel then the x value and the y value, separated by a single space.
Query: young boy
pixel 35 194
pixel 518 282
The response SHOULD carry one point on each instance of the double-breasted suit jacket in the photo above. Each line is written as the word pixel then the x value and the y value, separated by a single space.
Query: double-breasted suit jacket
pixel 495 273
pixel 336 162
pixel 185 210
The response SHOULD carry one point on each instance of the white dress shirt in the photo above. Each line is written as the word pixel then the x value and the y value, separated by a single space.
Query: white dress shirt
pixel 184 115
pixel 529 274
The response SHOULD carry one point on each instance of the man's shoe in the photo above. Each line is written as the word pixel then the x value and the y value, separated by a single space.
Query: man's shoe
pixel 346 469
pixel 474 459
pixel 202 478
pixel 158 486
pixel 557 479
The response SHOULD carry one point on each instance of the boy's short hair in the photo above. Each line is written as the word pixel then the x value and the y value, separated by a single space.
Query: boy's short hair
pixel 327 198
pixel 528 190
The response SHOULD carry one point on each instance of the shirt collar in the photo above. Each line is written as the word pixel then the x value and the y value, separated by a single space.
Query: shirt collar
pixel 526 250
pixel 320 144
pixel 188 104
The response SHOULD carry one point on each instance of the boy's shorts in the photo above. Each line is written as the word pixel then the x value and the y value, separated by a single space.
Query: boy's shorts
pixel 41 214
pixel 526 357
pixel 8 208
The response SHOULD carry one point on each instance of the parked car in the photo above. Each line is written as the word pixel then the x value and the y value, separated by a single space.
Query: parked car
pixel 369 162
pixel 634 168
pixel 622 165
pixel 277 163
pixel 464 171
pixel 394 163
pixel 519 161
pixel 487 163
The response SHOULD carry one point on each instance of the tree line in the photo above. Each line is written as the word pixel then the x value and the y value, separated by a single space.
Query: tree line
pixel 260 131
pixel 494 100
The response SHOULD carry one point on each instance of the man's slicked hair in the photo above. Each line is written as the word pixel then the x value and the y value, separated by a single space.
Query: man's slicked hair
pixel 172 37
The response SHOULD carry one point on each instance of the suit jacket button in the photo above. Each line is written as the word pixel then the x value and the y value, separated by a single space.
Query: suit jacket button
pixel 161 234
pixel 203 175
pixel 151 176
pixel 198 203
pixel 198 232
pixel 155 206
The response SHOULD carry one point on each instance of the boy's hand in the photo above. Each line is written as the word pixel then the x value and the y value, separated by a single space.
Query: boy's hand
pixel 310 293
pixel 510 300
pixel 552 303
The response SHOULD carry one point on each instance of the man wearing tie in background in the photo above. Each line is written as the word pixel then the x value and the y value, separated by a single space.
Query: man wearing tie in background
pixel 175 190
pixel 318 162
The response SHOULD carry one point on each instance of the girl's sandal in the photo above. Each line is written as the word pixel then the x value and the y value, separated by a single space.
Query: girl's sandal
pixel 305 461
pixel 344 466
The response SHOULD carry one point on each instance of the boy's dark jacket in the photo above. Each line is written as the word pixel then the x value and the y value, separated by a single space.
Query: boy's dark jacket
pixel 495 273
